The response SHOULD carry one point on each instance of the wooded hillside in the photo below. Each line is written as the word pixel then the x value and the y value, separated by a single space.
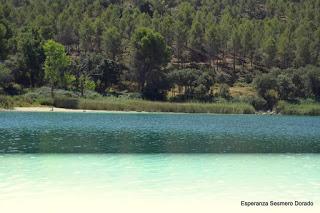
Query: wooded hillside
pixel 155 47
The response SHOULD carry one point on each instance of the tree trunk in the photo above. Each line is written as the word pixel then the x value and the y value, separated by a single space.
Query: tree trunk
pixel 52 93
pixel 234 60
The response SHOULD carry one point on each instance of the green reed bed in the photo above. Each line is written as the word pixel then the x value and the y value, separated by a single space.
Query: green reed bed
pixel 308 108
pixel 114 104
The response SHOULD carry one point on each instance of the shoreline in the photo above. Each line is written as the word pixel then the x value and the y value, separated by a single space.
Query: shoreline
pixel 57 109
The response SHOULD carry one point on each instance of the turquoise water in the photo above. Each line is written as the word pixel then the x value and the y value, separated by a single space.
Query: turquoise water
pixel 77 162
pixel 136 183
pixel 157 133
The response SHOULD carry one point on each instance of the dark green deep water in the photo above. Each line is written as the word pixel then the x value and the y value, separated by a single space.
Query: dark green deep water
pixel 157 133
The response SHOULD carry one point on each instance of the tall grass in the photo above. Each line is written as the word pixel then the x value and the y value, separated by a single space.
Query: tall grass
pixel 307 108
pixel 114 104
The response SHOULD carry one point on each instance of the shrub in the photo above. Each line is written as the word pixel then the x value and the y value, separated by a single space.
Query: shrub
pixel 68 103
pixel 259 103
pixel 272 98
pixel 285 87
pixel 224 91
pixel 265 83
pixel 6 102
pixel 314 81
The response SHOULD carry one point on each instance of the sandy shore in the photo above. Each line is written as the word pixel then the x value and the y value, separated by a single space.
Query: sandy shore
pixel 55 109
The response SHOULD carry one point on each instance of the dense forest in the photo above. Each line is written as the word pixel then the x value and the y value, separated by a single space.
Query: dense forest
pixel 177 50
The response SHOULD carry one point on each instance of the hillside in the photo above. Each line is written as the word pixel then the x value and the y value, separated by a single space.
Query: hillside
pixel 180 50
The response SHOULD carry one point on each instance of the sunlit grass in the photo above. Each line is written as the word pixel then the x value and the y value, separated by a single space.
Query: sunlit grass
pixel 307 108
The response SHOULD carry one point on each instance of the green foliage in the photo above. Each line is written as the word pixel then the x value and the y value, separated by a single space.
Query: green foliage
pixel 286 87
pixel 30 47
pixel 267 88
pixel 111 42
pixel 5 102
pixel 314 81
pixel 150 55
pixel 196 83
pixel 87 34
pixel 218 35
pixel 68 103
pixel 224 91
pixel 5 76
pixel 106 74
pixel 55 63
pixel 259 103
pixel 118 104
pixel 298 109
pixel 3 41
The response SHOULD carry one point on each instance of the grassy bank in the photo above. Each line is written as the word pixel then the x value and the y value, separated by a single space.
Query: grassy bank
pixel 118 104
pixel 307 108
pixel 69 101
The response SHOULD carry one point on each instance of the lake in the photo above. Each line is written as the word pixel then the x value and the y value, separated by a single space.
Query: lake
pixel 157 133
pixel 79 162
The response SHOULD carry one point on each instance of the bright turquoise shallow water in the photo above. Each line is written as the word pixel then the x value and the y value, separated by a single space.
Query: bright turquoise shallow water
pixel 157 133
pixel 156 180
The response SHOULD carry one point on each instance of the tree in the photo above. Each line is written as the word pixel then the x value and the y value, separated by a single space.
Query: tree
pixel 5 76
pixel 30 45
pixel 56 62
pixel 286 87
pixel 285 49
pixel 269 50
pixel 111 42
pixel 180 39
pixel 247 39
pixel 196 83
pixel 3 41
pixel 196 33
pixel 82 69
pixel 106 74
pixel 314 81
pixel 303 55
pixel 87 35
pixel 212 41
pixel 267 86
pixel 149 56
pixel 236 45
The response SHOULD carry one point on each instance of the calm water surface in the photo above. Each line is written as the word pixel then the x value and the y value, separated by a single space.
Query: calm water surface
pixel 102 170
pixel 157 133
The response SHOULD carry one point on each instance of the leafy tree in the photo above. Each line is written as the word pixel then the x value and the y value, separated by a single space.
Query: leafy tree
pixel 196 83
pixel 111 42
pixel 180 39
pixel 87 35
pixel 5 76
pixel 285 49
pixel 286 87
pixel 106 74
pixel 55 63
pixel 30 45
pixel 83 69
pixel 269 50
pixel 3 41
pixel 303 55
pixel 224 91
pixel 247 39
pixel 213 41
pixel 149 55
pixel 236 45
pixel 314 81
pixel 196 33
